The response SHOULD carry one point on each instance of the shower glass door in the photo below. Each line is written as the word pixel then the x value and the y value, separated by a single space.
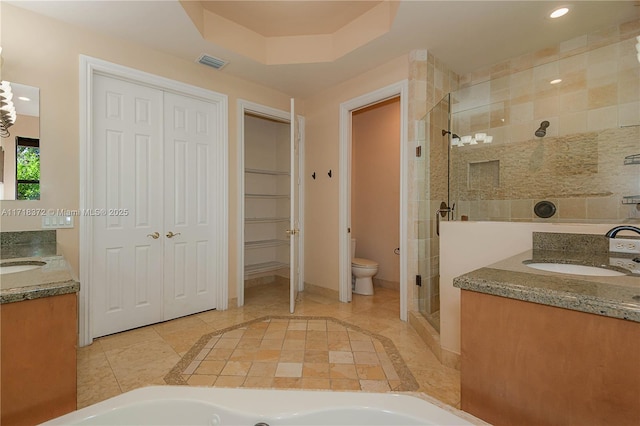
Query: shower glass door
pixel 434 166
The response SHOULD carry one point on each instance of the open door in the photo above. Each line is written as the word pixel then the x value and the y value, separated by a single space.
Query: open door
pixel 294 224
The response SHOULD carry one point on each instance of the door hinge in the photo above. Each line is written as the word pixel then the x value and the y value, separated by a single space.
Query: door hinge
pixel 419 280
pixel 418 151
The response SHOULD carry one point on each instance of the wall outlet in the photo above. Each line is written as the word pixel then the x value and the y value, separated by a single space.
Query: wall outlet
pixel 629 264
pixel 624 245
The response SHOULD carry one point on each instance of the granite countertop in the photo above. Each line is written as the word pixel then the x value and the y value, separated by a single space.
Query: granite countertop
pixel 617 297
pixel 52 279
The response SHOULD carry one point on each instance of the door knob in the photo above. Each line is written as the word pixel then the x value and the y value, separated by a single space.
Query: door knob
pixel 155 235
pixel 171 234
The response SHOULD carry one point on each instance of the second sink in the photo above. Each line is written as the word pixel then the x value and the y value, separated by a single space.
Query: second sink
pixel 13 267
pixel 568 268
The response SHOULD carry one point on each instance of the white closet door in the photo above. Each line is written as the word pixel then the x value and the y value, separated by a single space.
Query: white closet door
pixel 125 278
pixel 191 257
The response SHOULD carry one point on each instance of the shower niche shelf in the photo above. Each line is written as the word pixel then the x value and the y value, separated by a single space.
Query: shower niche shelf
pixel 632 159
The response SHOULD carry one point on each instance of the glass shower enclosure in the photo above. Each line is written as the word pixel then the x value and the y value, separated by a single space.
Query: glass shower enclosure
pixel 503 150
pixel 433 205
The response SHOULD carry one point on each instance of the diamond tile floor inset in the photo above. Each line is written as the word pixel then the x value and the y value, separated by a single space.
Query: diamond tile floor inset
pixel 294 352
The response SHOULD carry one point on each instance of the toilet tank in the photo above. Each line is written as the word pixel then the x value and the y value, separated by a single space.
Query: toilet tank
pixel 353 248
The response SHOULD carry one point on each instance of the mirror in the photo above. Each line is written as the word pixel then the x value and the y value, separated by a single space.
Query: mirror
pixel 20 151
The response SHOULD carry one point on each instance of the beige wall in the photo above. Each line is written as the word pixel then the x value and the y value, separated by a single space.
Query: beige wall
pixel 465 246
pixel 375 186
pixel 322 135
pixel 42 52
pixel 25 126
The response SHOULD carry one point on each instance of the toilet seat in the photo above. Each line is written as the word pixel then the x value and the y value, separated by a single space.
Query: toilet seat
pixel 363 263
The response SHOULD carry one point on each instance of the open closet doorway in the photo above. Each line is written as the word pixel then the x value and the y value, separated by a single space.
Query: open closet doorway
pixel 380 101
pixel 270 252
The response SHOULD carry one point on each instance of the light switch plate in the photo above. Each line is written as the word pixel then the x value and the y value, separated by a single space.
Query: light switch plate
pixel 56 222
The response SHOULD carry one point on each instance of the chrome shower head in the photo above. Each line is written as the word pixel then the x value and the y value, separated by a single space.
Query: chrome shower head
pixel 542 130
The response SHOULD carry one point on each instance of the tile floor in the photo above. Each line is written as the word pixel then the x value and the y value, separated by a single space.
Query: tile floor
pixel 295 352
pixel 326 344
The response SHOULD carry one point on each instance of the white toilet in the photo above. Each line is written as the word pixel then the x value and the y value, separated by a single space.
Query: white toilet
pixel 363 270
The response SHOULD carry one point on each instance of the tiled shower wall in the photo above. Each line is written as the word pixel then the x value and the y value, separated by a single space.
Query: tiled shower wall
pixel 599 93
pixel 582 174
pixel 594 116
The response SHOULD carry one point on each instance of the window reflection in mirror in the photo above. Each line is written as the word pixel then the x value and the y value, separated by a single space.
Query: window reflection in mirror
pixel 20 153
pixel 27 168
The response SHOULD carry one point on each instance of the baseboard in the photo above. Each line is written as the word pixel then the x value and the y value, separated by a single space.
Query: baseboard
pixel 393 285
pixel 321 291
pixel 432 339
pixel 265 280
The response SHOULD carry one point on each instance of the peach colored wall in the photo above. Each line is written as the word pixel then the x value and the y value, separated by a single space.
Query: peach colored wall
pixel 466 246
pixel 29 39
pixel 375 186
pixel 26 126
pixel 322 140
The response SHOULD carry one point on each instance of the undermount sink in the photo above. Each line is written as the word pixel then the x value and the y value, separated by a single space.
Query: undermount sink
pixel 13 267
pixel 568 268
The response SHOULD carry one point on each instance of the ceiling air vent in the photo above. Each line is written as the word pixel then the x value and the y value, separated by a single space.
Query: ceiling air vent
pixel 212 61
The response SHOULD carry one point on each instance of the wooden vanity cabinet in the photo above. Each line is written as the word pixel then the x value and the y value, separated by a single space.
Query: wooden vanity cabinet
pixel 38 359
pixel 525 363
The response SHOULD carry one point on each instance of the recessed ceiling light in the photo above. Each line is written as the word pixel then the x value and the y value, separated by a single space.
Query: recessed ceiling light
pixel 561 11
pixel 24 98
pixel 556 81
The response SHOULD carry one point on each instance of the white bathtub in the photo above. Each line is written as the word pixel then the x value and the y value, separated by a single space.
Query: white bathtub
pixel 184 405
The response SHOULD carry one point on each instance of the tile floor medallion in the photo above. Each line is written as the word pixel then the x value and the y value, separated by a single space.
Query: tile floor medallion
pixel 294 352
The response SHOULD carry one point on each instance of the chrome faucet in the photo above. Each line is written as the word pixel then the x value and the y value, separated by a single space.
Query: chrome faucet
pixel 614 231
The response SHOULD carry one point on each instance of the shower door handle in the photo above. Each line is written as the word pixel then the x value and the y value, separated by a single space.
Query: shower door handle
pixel 442 211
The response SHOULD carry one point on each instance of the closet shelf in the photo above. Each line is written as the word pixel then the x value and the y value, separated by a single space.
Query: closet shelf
pixel 267 172
pixel 266 219
pixel 632 159
pixel 268 196
pixel 265 243
pixel 257 268
pixel 631 199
